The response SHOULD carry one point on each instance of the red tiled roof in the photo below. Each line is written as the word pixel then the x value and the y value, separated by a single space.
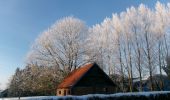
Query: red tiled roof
pixel 74 76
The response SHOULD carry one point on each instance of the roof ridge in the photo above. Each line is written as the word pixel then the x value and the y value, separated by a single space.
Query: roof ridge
pixel 75 76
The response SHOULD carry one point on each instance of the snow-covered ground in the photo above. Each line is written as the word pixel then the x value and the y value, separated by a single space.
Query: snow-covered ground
pixel 85 97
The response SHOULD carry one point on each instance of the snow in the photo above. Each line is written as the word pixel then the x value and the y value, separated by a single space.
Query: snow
pixel 85 97
pixel 141 93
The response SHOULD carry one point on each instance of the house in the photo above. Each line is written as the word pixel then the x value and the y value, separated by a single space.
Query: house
pixel 89 79
pixel 156 83
pixel 4 93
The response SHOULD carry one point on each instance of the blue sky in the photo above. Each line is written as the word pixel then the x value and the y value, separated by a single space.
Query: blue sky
pixel 21 21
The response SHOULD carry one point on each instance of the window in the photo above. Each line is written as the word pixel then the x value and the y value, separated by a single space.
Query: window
pixel 59 92
pixel 64 92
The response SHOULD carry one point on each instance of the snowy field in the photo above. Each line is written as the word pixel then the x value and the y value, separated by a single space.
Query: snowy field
pixel 158 95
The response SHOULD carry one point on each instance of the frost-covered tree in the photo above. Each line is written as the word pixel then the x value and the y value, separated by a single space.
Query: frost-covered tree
pixel 105 45
pixel 15 88
pixel 116 25
pixel 61 45
pixel 133 44
pixel 101 44
pixel 34 80
pixel 161 27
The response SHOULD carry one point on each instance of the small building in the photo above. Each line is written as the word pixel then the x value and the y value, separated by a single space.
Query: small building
pixel 157 79
pixel 89 79
pixel 4 93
